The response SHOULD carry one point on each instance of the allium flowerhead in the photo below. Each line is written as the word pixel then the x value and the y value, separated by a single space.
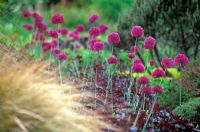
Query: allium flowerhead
pixel 152 62
pixel 54 42
pixel 138 67
pixel 92 43
pixel 37 17
pixel 112 60
pixel 74 34
pixel 98 46
pixel 53 33
pixel 131 55
pixel 93 18
pixel 26 14
pixel 80 28
pixel 143 80
pixel 181 60
pixel 42 26
pixel 94 31
pixel 157 89
pixel 103 28
pixel 62 56
pixel 158 73
pixel 167 62
pixel 146 91
pixel 137 61
pixel 56 51
pixel 134 49
pixel 57 18
pixel 137 31
pixel 63 31
pixel 113 37
pixel 149 42
pixel 28 27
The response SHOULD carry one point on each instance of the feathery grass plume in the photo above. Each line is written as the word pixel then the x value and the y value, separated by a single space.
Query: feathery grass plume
pixel 31 102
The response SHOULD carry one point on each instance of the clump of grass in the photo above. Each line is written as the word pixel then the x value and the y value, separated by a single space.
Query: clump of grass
pixel 31 100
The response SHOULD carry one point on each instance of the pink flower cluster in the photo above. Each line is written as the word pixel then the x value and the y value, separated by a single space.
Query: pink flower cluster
pixel 158 73
pixel 98 45
pixel 112 60
pixel 157 89
pixel 137 31
pixel 146 90
pixel 143 80
pixel 181 60
pixel 93 18
pixel 57 18
pixel 94 31
pixel 103 28
pixel 167 62
pixel 114 38
pixel 138 68
pixel 131 55
pixel 62 56
pixel 149 42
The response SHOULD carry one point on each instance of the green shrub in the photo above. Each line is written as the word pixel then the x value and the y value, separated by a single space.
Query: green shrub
pixel 189 109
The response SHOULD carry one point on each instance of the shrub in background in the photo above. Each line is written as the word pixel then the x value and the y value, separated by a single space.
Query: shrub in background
pixel 189 109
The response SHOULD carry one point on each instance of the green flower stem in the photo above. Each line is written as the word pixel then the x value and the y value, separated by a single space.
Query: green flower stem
pixel 147 120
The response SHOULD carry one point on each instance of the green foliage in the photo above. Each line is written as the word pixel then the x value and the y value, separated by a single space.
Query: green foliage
pixel 189 109
pixel 112 8
pixel 173 22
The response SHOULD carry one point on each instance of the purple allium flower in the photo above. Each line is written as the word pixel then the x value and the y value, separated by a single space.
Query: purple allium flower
pixel 94 31
pixel 134 49
pixel 80 28
pixel 54 43
pixel 62 56
pixel 53 33
pixel 149 42
pixel 74 34
pixel 63 31
pixel 131 55
pixel 137 31
pixel 143 80
pixel 37 17
pixel 103 28
pixel 158 73
pixel 167 62
pixel 56 51
pixel 157 89
pixel 42 26
pixel 152 62
pixel 92 43
pixel 25 14
pixel 28 27
pixel 98 46
pixel 112 60
pixel 137 61
pixel 146 91
pixel 57 18
pixel 113 37
pixel 93 18
pixel 181 60
pixel 137 67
